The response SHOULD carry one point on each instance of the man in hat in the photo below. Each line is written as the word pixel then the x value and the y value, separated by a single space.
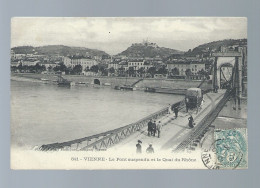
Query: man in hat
pixel 139 147
pixel 150 127
pixel 176 110
pixel 154 128
pixel 150 149
pixel 159 128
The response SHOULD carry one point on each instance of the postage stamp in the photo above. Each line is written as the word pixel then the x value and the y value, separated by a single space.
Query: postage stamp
pixel 231 148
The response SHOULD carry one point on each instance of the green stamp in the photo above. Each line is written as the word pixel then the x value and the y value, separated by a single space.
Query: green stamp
pixel 231 148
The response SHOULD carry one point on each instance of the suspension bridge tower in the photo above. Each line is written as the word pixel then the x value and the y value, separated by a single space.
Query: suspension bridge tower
pixel 237 76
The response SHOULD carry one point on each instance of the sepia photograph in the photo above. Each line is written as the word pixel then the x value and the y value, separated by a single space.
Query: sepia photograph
pixel 128 93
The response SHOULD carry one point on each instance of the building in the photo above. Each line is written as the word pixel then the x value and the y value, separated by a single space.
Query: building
pixel 12 55
pixel 98 58
pixel 48 64
pixel 19 56
pixel 85 62
pixel 136 64
pixel 30 62
pixel 146 43
pixel 15 62
pixel 114 64
pixel 183 66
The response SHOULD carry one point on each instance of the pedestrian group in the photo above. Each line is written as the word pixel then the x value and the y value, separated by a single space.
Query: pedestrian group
pixel 154 128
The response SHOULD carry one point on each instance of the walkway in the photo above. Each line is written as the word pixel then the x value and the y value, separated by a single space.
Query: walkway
pixel 174 131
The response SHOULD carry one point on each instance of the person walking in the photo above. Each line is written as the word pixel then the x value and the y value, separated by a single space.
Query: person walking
pixel 150 149
pixel 169 109
pixel 159 128
pixel 176 110
pixel 191 121
pixel 202 102
pixel 150 127
pixel 139 147
pixel 154 128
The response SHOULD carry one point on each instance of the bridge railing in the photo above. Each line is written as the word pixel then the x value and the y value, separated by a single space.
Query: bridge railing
pixel 205 122
pixel 108 138
pixel 121 134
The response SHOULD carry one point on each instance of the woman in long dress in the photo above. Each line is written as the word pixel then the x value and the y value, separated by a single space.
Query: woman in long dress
pixel 191 121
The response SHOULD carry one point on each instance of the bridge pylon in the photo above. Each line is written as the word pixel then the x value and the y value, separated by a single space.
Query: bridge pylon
pixel 236 73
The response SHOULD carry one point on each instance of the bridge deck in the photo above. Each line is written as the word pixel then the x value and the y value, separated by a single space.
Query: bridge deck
pixel 174 131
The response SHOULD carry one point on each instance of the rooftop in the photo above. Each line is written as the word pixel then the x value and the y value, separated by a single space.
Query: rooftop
pixel 78 57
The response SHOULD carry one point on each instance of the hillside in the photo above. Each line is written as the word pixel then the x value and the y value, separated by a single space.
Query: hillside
pixel 143 50
pixel 57 50
pixel 215 45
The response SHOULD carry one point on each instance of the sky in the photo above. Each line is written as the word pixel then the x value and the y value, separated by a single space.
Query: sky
pixel 114 35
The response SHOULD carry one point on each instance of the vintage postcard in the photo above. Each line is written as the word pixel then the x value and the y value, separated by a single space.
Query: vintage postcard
pixel 129 93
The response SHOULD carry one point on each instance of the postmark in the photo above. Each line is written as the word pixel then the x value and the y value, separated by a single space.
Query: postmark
pixel 231 148
pixel 208 152
pixel 208 157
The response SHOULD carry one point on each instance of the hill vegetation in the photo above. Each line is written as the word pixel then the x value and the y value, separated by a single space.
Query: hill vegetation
pixel 215 45
pixel 57 50
pixel 141 50
pixel 148 51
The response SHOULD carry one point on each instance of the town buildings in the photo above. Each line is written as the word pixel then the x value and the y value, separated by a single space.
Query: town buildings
pixel 193 63
pixel 182 66
pixel 85 62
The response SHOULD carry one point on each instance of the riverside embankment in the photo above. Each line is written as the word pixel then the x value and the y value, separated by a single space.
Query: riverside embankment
pixel 147 82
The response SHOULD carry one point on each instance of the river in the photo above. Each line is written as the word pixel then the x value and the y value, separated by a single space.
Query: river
pixel 44 113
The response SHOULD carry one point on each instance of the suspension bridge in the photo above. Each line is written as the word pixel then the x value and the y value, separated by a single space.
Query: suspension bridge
pixel 175 134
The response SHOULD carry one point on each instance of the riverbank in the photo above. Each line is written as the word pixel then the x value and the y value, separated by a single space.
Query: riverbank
pixel 114 81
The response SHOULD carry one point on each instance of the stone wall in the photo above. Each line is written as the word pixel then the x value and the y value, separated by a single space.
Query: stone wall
pixel 147 82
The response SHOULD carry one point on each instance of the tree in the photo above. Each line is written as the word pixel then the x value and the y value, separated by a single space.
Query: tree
pixel 49 68
pixel 43 68
pixel 77 69
pixel 131 71
pixel 60 67
pixel 13 68
pixel 175 71
pixel 94 68
pixel 25 68
pixel 111 70
pixel 103 70
pixel 188 72
pixel 69 70
pixel 162 70
pixel 141 71
pixel 87 69
pixel 37 68
pixel 121 71
pixel 152 71
pixel 202 72
pixel 20 67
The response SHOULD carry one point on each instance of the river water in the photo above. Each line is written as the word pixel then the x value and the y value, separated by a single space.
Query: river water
pixel 44 113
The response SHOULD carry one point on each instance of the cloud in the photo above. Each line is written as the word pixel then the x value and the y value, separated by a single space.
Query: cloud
pixel 113 35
